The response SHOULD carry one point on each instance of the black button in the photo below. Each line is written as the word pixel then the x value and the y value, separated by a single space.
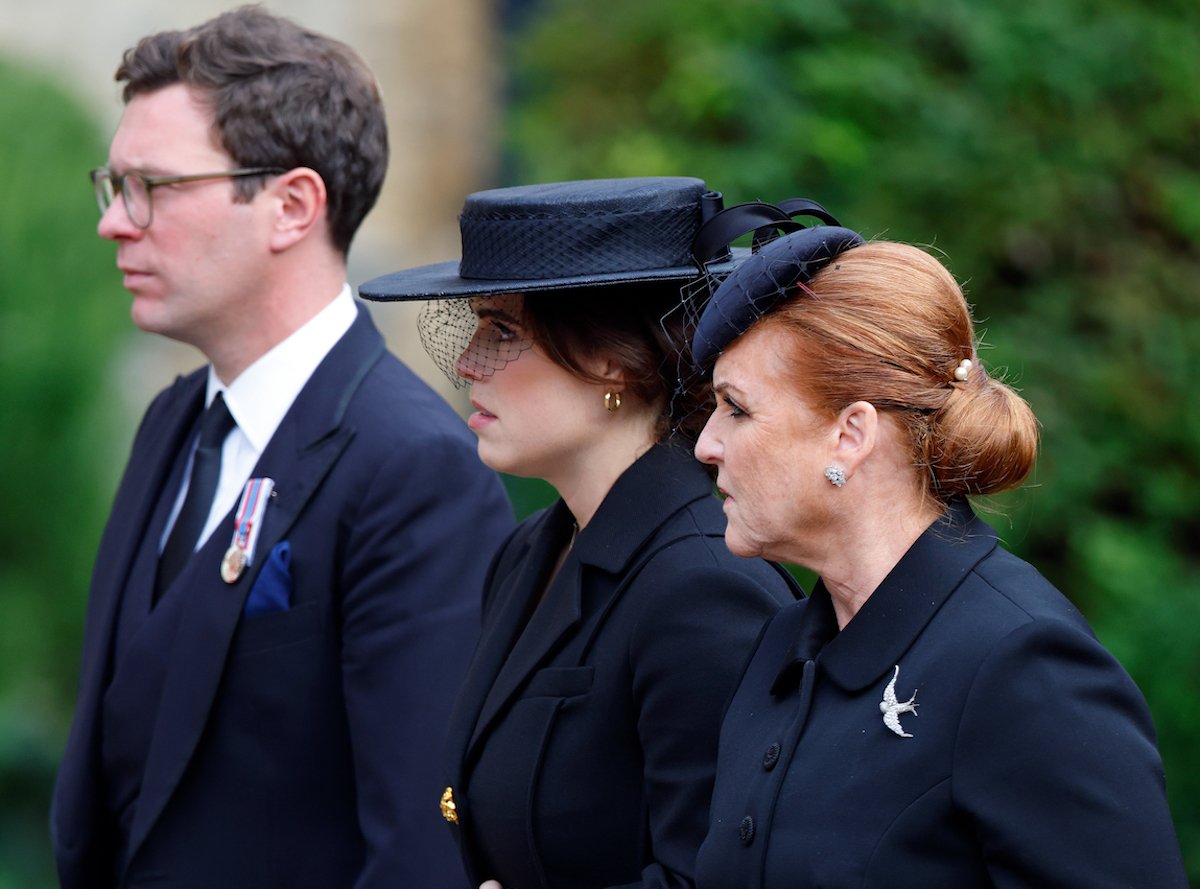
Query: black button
pixel 746 830
pixel 771 757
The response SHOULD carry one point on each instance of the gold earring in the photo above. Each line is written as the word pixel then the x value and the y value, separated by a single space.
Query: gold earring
pixel 612 401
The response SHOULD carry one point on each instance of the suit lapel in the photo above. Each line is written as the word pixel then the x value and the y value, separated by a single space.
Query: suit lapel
pixel 307 444
pixel 156 448
pixel 140 495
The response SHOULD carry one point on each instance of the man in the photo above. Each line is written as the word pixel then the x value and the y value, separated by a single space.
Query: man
pixel 284 599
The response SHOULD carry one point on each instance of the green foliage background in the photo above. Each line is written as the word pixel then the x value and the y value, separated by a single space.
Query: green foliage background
pixel 58 331
pixel 1050 151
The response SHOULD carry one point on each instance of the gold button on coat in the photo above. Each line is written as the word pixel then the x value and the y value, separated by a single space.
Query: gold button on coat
pixel 449 810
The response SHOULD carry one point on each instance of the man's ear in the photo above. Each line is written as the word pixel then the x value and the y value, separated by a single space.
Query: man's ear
pixel 298 201
pixel 857 431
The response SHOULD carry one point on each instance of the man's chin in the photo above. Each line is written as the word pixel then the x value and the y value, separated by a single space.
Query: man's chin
pixel 143 319
pixel 148 316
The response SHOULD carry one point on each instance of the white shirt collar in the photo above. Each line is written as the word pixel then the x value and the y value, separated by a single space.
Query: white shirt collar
pixel 262 394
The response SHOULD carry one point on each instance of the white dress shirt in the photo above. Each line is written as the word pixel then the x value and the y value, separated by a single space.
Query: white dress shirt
pixel 258 400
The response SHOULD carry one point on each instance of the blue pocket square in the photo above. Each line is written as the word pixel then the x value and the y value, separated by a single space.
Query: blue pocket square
pixel 272 590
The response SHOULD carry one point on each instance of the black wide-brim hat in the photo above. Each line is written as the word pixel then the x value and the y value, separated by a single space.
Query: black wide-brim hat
pixel 566 235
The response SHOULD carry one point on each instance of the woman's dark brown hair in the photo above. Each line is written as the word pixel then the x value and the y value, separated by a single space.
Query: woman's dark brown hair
pixel 634 325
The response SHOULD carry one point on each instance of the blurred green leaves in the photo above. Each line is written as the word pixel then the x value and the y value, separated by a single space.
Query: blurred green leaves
pixel 61 312
pixel 1049 152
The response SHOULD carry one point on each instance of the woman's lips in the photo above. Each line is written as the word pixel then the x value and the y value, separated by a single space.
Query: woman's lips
pixel 482 417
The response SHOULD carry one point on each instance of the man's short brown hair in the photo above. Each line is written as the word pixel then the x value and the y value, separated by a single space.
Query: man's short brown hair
pixel 281 96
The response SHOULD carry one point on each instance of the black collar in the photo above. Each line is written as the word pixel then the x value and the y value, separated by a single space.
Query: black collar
pixel 896 613
pixel 661 482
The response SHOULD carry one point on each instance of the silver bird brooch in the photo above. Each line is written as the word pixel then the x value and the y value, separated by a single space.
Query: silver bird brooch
pixel 891 708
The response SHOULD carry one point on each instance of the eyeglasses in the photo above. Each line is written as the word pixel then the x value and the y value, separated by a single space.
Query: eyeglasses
pixel 135 188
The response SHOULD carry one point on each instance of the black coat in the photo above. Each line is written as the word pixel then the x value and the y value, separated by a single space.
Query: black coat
pixel 296 748
pixel 581 750
pixel 1031 761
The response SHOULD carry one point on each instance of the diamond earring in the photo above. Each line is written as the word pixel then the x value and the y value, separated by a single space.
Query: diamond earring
pixel 835 474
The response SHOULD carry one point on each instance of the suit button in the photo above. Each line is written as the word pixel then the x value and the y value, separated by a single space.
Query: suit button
pixel 771 757
pixel 746 831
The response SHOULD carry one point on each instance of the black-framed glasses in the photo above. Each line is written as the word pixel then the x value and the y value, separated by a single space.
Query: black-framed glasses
pixel 135 188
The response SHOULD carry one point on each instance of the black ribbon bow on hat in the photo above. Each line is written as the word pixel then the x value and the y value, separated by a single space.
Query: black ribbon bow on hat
pixel 785 253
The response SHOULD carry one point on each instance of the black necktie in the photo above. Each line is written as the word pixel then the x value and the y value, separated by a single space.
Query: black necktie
pixel 216 423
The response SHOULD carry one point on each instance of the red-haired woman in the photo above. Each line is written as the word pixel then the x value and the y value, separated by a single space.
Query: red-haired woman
pixel 936 714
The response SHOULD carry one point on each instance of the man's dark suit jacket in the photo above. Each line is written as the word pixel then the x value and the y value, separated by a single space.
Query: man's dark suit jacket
pixel 296 748
pixel 582 750
pixel 1031 761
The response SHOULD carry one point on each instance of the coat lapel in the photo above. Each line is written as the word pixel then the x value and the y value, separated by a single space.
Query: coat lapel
pixel 517 634
pixel 517 643
pixel 305 447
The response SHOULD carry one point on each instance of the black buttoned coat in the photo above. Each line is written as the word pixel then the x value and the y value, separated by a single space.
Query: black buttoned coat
pixel 582 748
pixel 1030 760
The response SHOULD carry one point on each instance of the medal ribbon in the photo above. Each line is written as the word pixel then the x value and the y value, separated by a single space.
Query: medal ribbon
pixel 249 514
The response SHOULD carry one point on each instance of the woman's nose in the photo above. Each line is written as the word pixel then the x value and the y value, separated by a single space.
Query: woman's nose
pixel 468 365
pixel 708 448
